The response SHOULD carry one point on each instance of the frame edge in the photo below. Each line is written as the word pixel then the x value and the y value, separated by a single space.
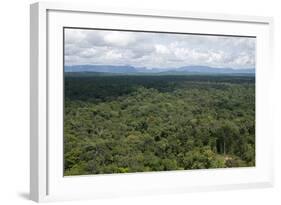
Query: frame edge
pixel 34 175
pixel 38 103
pixel 38 99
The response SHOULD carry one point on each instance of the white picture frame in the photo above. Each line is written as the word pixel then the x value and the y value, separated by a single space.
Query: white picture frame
pixel 46 176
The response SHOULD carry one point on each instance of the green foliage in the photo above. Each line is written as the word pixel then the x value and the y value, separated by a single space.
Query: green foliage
pixel 120 124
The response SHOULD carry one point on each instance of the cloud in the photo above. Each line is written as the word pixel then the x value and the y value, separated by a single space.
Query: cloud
pixel 119 38
pixel 143 49
pixel 162 49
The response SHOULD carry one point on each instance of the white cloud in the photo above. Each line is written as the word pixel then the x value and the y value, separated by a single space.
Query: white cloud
pixel 162 49
pixel 113 55
pixel 119 38
pixel 74 36
pixel 157 49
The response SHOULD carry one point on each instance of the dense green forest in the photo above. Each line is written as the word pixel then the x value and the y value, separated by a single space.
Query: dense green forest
pixel 119 124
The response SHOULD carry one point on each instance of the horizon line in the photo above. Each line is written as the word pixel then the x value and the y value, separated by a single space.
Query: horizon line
pixel 165 68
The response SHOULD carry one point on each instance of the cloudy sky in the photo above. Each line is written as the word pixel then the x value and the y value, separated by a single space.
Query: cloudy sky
pixel 157 50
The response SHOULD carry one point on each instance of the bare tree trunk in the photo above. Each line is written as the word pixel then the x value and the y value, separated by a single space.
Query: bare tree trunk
pixel 223 147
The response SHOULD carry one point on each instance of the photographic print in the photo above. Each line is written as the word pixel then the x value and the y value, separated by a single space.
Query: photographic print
pixel 139 101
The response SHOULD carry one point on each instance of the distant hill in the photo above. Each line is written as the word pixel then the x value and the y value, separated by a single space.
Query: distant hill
pixel 206 69
pixel 112 69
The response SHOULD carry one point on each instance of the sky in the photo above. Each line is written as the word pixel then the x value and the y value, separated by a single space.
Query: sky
pixel 157 50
